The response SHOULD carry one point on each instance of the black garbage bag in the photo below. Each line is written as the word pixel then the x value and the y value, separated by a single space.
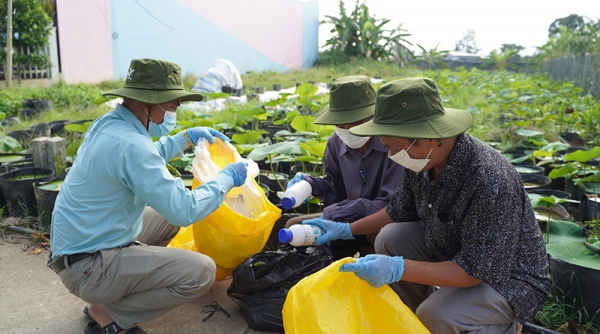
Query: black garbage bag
pixel 261 283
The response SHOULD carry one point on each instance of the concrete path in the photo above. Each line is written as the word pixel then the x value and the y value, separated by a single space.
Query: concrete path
pixel 33 300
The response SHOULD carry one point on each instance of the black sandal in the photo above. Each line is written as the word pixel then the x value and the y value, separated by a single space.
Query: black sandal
pixel 93 328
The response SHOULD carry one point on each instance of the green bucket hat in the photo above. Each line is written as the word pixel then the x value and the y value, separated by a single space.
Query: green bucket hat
pixel 154 81
pixel 351 99
pixel 412 108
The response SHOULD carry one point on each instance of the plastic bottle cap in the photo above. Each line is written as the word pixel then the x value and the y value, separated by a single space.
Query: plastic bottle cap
pixel 285 235
pixel 288 202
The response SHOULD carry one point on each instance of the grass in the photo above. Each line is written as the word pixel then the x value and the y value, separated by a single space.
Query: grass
pixel 557 314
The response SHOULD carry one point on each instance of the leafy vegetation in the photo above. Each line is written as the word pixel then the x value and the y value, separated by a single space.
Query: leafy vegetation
pixel 363 36
pixel 31 28
pixel 513 111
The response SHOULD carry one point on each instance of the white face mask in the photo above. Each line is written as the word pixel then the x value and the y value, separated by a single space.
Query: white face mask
pixel 402 158
pixel 351 140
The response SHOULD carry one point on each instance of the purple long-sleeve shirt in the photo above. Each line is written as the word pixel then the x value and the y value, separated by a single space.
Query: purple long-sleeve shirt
pixel 355 185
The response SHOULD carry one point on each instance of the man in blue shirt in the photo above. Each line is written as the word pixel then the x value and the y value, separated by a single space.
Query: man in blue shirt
pixel 359 178
pixel 101 222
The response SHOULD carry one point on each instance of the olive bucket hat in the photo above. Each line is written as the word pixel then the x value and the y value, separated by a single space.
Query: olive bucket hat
pixel 412 108
pixel 154 81
pixel 351 99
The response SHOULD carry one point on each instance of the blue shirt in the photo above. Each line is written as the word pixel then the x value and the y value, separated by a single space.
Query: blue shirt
pixel 355 185
pixel 117 172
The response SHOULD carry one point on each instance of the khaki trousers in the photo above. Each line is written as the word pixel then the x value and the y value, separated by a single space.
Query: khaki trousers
pixel 139 283
pixel 479 309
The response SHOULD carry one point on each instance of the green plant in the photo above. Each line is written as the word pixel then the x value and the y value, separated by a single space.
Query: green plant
pixel 74 142
pixel 361 35
pixel 557 313
pixel 593 241
pixel 43 219
pixel 500 61
pixel 571 35
pixel 548 202
pixel 26 213
pixel 31 29
pixel 578 169
pixel 432 57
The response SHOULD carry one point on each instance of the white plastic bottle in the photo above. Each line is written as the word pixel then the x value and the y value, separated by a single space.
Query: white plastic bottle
pixel 300 235
pixel 297 193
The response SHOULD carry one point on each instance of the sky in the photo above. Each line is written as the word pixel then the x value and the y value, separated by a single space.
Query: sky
pixel 522 22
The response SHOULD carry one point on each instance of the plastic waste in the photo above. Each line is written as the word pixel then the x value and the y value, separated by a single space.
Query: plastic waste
pixel 260 284
pixel 297 193
pixel 241 226
pixel 300 235
pixel 330 301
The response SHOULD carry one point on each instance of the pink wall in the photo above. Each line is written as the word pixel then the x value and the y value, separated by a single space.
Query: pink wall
pixel 258 24
pixel 84 35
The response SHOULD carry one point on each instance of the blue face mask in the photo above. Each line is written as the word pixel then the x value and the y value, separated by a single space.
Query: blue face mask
pixel 163 129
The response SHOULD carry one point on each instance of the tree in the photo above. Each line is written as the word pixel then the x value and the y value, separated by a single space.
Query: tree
pixel 361 35
pixel 467 43
pixel 515 47
pixel 31 29
pixel 400 52
pixel 432 57
pixel 500 61
pixel 572 22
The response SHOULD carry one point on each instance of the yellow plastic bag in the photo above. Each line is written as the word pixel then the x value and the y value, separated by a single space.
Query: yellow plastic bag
pixel 332 302
pixel 241 226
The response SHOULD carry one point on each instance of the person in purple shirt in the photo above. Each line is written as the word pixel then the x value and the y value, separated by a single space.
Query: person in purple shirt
pixel 359 177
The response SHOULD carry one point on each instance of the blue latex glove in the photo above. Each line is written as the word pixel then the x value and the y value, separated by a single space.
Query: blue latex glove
pixel 199 132
pixel 376 269
pixel 333 230
pixel 237 171
pixel 297 178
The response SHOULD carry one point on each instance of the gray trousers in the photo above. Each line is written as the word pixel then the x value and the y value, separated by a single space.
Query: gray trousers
pixel 478 309
pixel 139 283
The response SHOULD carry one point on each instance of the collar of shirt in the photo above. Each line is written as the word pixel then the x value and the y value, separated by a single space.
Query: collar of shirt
pixel 375 145
pixel 458 161
pixel 127 115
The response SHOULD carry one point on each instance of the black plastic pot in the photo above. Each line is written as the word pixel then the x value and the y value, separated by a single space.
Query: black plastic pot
pixel 38 104
pixel 535 181
pixel 589 206
pixel 40 130
pixel 529 169
pixel 8 157
pixel 578 285
pixel 57 127
pixel 27 153
pixel 23 163
pixel 17 189
pixel 265 188
pixel 312 169
pixel 4 169
pixel 557 212
pixel 271 181
pixel 5 159
pixel 22 136
pixel 45 197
